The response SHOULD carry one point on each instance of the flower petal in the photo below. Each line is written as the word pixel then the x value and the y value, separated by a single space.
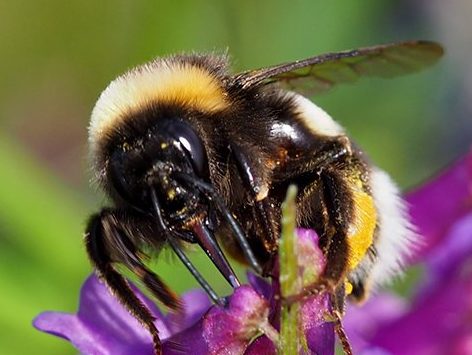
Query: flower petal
pixel 436 325
pixel 189 341
pixel 362 323
pixel 437 205
pixel 229 330
pixel 195 304
pixel 102 325
pixel 318 331
pixel 260 285
pixel 224 330
pixel 440 318
pixel 455 250
pixel 310 257
pixel 261 346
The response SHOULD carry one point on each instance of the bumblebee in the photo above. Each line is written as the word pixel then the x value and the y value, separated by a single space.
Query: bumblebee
pixel 190 153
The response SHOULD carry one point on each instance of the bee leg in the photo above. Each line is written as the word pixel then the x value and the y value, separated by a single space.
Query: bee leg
pixel 337 198
pixel 333 152
pixel 339 328
pixel 100 258
pixel 239 234
pixel 104 246
pixel 258 189
pixel 195 273
pixel 180 253
pixel 241 238
pixel 117 230
pixel 320 174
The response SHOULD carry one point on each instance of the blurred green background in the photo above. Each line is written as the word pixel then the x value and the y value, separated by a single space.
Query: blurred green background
pixel 57 56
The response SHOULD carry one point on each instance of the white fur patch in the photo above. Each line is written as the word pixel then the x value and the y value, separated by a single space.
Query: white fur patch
pixel 316 119
pixel 396 237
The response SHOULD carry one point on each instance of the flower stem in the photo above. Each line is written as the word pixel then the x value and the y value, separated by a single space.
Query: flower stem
pixel 289 280
pixel 270 332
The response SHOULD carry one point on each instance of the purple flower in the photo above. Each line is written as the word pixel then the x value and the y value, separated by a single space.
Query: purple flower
pixel 103 326
pixel 438 320
pixel 440 204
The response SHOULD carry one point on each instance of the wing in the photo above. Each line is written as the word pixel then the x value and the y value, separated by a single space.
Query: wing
pixel 320 73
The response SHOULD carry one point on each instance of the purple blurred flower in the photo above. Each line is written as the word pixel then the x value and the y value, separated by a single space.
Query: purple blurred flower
pixel 103 326
pixel 437 207
pixel 438 320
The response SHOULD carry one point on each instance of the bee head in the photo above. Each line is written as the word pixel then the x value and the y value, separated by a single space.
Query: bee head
pixel 141 131
pixel 151 160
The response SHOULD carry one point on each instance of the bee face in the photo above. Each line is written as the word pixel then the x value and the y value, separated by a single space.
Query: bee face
pixel 135 162
pixel 191 153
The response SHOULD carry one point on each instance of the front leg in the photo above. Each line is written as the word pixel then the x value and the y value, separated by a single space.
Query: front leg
pixel 300 162
pixel 325 201
pixel 299 165
pixel 107 242
pixel 257 186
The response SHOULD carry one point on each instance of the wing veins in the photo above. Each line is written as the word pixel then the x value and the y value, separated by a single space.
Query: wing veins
pixel 327 69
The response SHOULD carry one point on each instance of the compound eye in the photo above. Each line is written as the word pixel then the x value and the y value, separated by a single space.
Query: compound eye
pixel 194 147
pixel 191 144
